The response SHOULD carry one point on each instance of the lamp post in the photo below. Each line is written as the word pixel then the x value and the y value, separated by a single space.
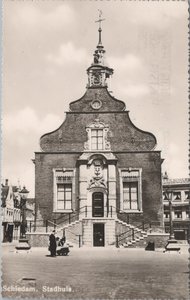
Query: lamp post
pixel 172 244
pixel 24 194
pixel 171 219
pixel 23 241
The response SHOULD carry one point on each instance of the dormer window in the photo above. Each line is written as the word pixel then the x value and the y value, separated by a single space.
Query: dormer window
pixel 97 137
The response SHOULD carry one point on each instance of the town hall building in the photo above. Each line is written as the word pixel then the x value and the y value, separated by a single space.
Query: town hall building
pixel 97 177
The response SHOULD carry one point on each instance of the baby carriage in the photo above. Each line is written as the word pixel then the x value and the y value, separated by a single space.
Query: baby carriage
pixel 62 247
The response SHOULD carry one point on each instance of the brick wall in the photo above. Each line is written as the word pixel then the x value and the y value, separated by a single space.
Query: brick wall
pixel 160 241
pixel 44 165
pixel 109 103
pixel 130 145
pixel 122 135
pixel 150 162
pixel 38 239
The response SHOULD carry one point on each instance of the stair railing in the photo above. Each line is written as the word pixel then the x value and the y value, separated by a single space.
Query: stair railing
pixel 127 236
pixel 77 238
pixel 69 217
pixel 62 221
pixel 124 236
pixel 33 224
pixel 138 220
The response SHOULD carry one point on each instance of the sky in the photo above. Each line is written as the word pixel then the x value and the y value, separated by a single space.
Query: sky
pixel 49 44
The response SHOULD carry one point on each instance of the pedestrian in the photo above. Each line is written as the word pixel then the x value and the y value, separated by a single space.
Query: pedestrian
pixel 52 244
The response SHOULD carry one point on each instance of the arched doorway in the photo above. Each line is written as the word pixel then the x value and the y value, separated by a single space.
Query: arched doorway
pixel 97 204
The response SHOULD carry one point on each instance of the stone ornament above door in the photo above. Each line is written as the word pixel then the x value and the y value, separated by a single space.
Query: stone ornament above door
pixel 97 179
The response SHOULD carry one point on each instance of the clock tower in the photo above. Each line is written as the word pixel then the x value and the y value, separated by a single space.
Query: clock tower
pixel 98 175
pixel 98 72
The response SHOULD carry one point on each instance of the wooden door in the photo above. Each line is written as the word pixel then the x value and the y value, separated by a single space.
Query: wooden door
pixel 98 205
pixel 98 235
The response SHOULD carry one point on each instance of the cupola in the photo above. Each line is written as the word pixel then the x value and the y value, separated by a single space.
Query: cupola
pixel 98 72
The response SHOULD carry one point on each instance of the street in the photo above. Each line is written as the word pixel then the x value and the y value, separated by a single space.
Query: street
pixel 95 273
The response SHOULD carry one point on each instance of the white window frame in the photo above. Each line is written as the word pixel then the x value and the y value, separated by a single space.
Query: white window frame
pixel 186 195
pixel 166 212
pixel 175 195
pixel 178 210
pixel 97 125
pixel 64 188
pixel 187 213
pixel 55 189
pixel 97 137
pixel 139 189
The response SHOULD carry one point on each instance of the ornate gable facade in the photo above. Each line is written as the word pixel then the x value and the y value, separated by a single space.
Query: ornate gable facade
pixel 98 167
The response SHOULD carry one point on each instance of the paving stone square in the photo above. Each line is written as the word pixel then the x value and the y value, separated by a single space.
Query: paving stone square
pixel 95 273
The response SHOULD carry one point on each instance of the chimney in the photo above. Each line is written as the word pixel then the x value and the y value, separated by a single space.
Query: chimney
pixel 6 182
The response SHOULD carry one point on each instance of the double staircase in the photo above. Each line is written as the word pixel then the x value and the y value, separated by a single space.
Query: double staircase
pixel 128 230
pixel 129 236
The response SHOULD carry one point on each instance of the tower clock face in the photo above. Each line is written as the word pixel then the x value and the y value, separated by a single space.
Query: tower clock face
pixel 96 78
pixel 96 104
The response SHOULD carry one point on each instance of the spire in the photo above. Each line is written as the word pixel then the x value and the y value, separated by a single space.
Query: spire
pixel 100 29
pixel 98 72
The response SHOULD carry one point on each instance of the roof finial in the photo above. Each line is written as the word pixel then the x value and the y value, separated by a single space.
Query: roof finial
pixel 100 29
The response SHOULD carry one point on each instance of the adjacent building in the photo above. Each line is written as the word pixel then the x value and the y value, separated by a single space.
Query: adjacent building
pixel 11 214
pixel 15 211
pixel 98 172
pixel 179 191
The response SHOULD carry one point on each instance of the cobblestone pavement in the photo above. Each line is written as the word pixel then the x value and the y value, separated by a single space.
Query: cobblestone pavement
pixel 95 273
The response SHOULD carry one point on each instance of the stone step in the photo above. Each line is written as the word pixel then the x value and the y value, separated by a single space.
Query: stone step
pixel 143 232
pixel 145 235
pixel 137 230
pixel 68 225
pixel 127 244
pixel 71 224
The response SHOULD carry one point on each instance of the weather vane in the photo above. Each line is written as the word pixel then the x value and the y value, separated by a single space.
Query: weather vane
pixel 99 21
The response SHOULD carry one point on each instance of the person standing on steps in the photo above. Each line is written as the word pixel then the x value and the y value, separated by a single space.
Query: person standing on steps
pixel 52 244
